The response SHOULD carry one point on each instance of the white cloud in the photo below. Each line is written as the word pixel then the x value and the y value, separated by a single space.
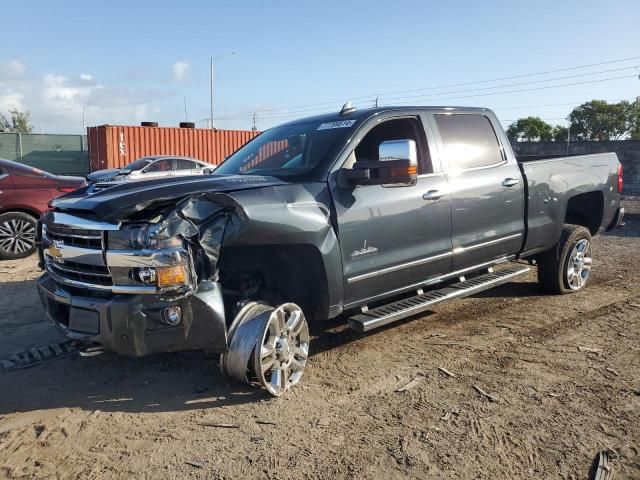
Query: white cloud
pixel 10 101
pixel 11 70
pixel 57 101
pixel 181 70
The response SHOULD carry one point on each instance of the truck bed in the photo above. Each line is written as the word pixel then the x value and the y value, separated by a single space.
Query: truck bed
pixel 559 187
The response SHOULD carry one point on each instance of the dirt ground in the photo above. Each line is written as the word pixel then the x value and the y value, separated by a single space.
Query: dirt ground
pixel 554 404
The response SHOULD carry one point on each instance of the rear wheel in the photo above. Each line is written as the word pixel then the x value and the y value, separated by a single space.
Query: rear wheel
pixel 17 235
pixel 566 268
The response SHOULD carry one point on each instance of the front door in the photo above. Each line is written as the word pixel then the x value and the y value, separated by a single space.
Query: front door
pixel 393 237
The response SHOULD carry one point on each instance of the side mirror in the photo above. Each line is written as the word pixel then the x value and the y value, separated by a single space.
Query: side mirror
pixel 207 170
pixel 398 164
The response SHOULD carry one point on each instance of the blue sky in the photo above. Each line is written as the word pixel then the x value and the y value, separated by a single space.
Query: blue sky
pixel 123 62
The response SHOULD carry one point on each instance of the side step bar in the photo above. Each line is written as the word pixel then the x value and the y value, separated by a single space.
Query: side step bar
pixel 385 314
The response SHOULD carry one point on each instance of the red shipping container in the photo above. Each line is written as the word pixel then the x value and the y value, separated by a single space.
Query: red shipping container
pixel 113 146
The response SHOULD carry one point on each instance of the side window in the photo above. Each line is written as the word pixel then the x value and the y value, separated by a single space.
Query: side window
pixel 469 141
pixel 163 165
pixel 398 129
pixel 183 164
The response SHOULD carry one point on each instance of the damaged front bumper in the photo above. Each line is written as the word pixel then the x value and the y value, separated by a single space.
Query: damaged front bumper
pixel 139 287
pixel 136 325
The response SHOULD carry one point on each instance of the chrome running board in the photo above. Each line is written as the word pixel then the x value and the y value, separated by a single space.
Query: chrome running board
pixel 391 312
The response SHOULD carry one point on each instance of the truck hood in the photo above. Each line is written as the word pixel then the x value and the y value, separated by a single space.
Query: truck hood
pixel 116 201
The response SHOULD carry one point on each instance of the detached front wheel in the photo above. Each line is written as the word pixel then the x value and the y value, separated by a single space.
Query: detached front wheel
pixel 268 346
pixel 566 268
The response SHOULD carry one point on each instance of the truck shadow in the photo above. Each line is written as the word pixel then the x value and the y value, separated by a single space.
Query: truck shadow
pixel 631 229
pixel 159 383
pixel 164 382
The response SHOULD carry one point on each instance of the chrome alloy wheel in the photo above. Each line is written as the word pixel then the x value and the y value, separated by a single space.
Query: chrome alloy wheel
pixel 579 266
pixel 17 236
pixel 281 355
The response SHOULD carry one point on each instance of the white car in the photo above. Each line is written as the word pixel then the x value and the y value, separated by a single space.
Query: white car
pixel 146 168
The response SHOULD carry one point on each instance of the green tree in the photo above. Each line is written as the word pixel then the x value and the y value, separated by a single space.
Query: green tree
pixel 530 129
pixel 19 122
pixel 599 120
pixel 634 120
pixel 560 133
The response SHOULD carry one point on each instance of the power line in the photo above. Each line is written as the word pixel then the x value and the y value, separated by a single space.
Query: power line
pixel 291 114
pixel 372 96
pixel 586 82
pixel 520 83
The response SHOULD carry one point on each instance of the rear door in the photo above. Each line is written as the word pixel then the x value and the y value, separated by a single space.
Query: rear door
pixel 393 237
pixel 184 166
pixel 487 195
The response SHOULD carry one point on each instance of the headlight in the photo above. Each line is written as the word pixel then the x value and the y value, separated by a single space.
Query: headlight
pixel 146 237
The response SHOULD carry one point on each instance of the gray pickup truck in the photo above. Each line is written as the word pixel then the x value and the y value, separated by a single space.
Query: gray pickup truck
pixel 373 214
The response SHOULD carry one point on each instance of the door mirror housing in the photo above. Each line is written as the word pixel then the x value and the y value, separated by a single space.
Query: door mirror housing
pixel 398 164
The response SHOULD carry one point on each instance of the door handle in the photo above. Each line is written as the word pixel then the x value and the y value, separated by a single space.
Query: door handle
pixel 510 182
pixel 432 195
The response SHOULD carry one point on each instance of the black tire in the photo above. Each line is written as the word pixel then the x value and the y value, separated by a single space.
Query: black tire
pixel 553 265
pixel 17 235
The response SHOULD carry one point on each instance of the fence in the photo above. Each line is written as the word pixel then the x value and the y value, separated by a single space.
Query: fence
pixel 628 152
pixel 59 154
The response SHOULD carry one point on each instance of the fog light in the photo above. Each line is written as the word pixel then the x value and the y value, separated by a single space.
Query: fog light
pixel 172 315
pixel 147 275
pixel 170 276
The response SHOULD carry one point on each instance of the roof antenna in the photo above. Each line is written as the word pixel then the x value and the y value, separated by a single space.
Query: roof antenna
pixel 347 108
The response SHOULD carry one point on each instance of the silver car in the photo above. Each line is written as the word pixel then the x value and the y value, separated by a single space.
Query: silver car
pixel 146 168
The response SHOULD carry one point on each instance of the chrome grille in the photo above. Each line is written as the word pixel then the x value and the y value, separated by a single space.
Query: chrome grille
pixel 75 256
pixel 75 237
pixel 94 275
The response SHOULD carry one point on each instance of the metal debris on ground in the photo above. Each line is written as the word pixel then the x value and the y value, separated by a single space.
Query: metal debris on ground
pixel 37 355
pixel 601 470
pixel 491 398
pixel 412 384
pixel 590 350
pixel 265 422
pixel 193 463
pixel 218 425
pixel 447 372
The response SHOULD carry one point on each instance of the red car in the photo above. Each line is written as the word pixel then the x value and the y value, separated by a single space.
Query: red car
pixel 24 194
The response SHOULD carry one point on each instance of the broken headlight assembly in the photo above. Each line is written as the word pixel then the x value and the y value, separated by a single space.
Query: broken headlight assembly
pixel 145 237
pixel 144 254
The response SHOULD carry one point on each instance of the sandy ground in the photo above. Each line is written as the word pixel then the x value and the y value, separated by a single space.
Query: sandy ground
pixel 554 406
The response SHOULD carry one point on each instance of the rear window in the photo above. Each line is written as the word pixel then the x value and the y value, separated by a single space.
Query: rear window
pixel 469 141
pixel 186 164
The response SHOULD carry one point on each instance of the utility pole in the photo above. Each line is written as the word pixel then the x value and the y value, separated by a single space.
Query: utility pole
pixel 568 136
pixel 186 117
pixel 211 95
pixel 253 126
pixel 213 126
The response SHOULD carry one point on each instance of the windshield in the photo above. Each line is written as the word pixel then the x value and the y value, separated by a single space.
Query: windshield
pixel 288 150
pixel 140 163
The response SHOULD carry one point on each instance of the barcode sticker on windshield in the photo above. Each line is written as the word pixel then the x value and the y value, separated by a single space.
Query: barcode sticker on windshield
pixel 338 124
